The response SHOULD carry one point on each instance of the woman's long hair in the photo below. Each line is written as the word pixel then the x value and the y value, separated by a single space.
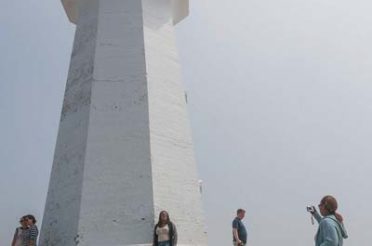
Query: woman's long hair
pixel 330 205
pixel 162 223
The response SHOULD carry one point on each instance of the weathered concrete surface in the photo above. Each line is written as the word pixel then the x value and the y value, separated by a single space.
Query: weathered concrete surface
pixel 180 9
pixel 124 150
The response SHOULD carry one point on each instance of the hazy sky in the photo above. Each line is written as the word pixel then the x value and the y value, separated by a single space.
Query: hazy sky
pixel 280 100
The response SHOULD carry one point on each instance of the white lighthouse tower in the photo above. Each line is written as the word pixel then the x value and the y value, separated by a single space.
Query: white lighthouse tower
pixel 124 150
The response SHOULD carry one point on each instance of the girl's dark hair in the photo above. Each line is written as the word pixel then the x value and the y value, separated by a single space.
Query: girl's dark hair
pixel 330 205
pixel 23 218
pixel 31 217
pixel 160 222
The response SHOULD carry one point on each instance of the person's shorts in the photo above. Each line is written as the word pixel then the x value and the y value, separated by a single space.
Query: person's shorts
pixel 236 244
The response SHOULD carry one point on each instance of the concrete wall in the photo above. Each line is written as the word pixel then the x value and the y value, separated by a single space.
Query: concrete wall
pixel 124 149
pixel 62 210
pixel 175 181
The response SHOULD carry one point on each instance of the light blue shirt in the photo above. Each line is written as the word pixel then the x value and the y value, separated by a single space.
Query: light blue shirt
pixel 331 232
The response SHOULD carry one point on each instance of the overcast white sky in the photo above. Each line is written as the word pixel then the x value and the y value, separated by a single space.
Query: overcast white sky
pixel 280 100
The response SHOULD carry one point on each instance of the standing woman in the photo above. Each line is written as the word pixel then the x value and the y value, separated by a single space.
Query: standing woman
pixel 165 233
pixel 19 232
pixel 331 231
pixel 30 238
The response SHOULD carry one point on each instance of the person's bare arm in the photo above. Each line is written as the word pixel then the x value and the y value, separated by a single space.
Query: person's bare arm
pixel 14 238
pixel 236 236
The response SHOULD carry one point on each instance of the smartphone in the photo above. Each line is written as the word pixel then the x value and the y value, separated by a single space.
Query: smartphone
pixel 310 209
